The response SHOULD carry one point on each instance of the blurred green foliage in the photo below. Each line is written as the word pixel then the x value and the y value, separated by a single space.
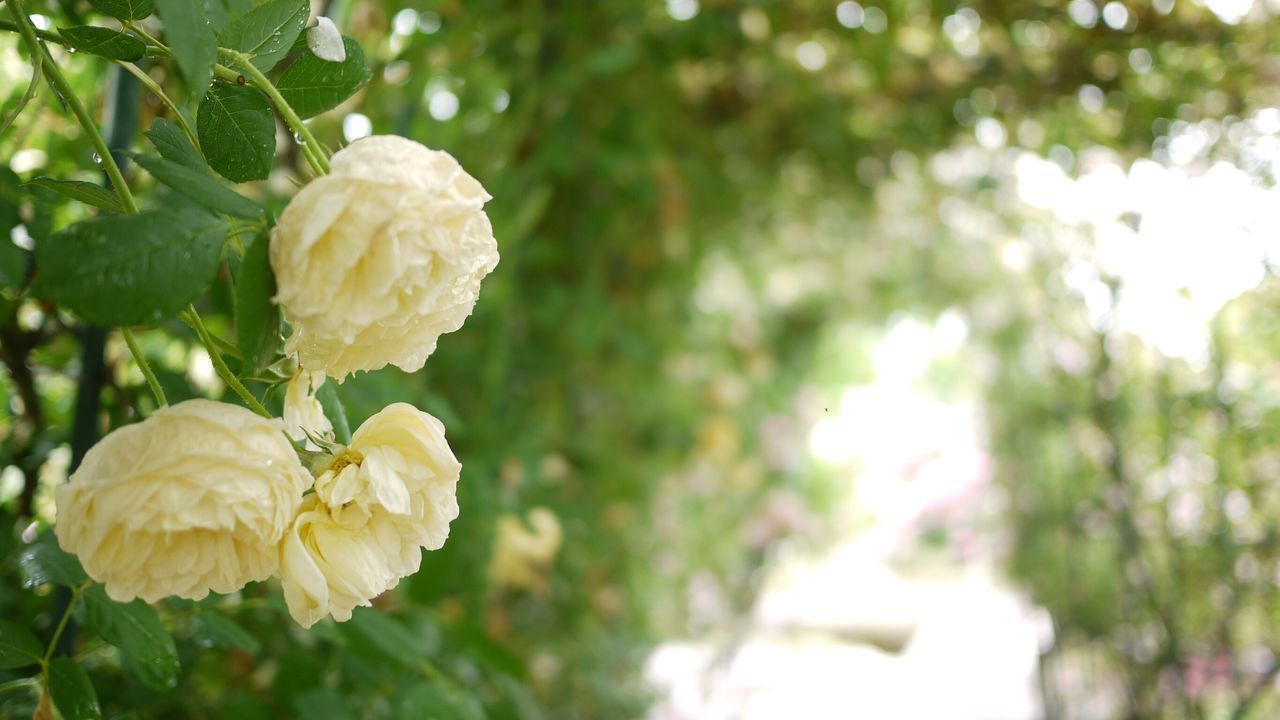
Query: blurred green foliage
pixel 630 368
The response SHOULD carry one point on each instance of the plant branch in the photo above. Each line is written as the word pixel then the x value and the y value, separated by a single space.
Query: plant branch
pixel 159 92
pixel 319 161
pixel 54 37
pixel 144 366
pixel 66 617
pixel 37 67
pixel 156 49
pixel 63 88
pixel 148 37
pixel 109 165
pixel 192 319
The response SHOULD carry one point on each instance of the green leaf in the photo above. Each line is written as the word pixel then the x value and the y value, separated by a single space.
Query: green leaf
pixel 383 634
pixel 44 562
pixel 333 409
pixel 19 647
pixel 131 269
pixel 246 707
pixel 136 629
pixel 13 259
pixel 86 192
pixel 257 317
pixel 72 692
pixel 201 186
pixel 110 44
pixel 222 12
pixel 237 132
pixel 267 32
pixel 173 144
pixel 187 33
pixel 218 14
pixel 440 699
pixel 216 629
pixel 126 10
pixel 13 264
pixel 10 200
pixel 312 85
pixel 322 704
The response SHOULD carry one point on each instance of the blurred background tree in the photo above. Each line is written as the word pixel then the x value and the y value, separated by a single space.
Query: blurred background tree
pixel 704 210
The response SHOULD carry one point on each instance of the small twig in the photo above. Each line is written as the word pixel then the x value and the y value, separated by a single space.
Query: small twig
pixel 192 319
pixel 37 70
pixel 66 617
pixel 144 366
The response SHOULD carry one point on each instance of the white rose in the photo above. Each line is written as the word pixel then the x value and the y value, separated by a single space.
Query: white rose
pixel 384 498
pixel 304 416
pixel 193 499
pixel 379 258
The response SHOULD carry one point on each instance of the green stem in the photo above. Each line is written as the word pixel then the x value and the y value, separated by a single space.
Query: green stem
pixel 66 615
pixel 312 159
pixel 159 92
pixel 56 38
pixel 222 72
pixel 145 79
pixel 36 76
pixel 18 684
pixel 147 36
pixel 240 229
pixel 192 318
pixel 144 366
pixel 319 161
pixel 63 89
pixel 42 34
pixel 225 347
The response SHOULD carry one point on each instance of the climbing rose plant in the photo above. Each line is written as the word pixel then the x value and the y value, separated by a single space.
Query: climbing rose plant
pixel 380 252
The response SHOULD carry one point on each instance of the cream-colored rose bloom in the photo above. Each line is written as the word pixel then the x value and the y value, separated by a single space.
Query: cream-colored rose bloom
pixel 379 258
pixel 522 556
pixel 195 498
pixel 387 496
pixel 304 416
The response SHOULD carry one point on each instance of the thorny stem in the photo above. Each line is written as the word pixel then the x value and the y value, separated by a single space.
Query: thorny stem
pixel 192 318
pixel 144 366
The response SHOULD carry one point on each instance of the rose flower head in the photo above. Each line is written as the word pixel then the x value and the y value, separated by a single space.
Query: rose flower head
pixel 193 499
pixel 379 258
pixel 383 499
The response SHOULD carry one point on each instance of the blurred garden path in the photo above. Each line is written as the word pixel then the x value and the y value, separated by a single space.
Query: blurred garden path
pixel 846 637
pixel 881 624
